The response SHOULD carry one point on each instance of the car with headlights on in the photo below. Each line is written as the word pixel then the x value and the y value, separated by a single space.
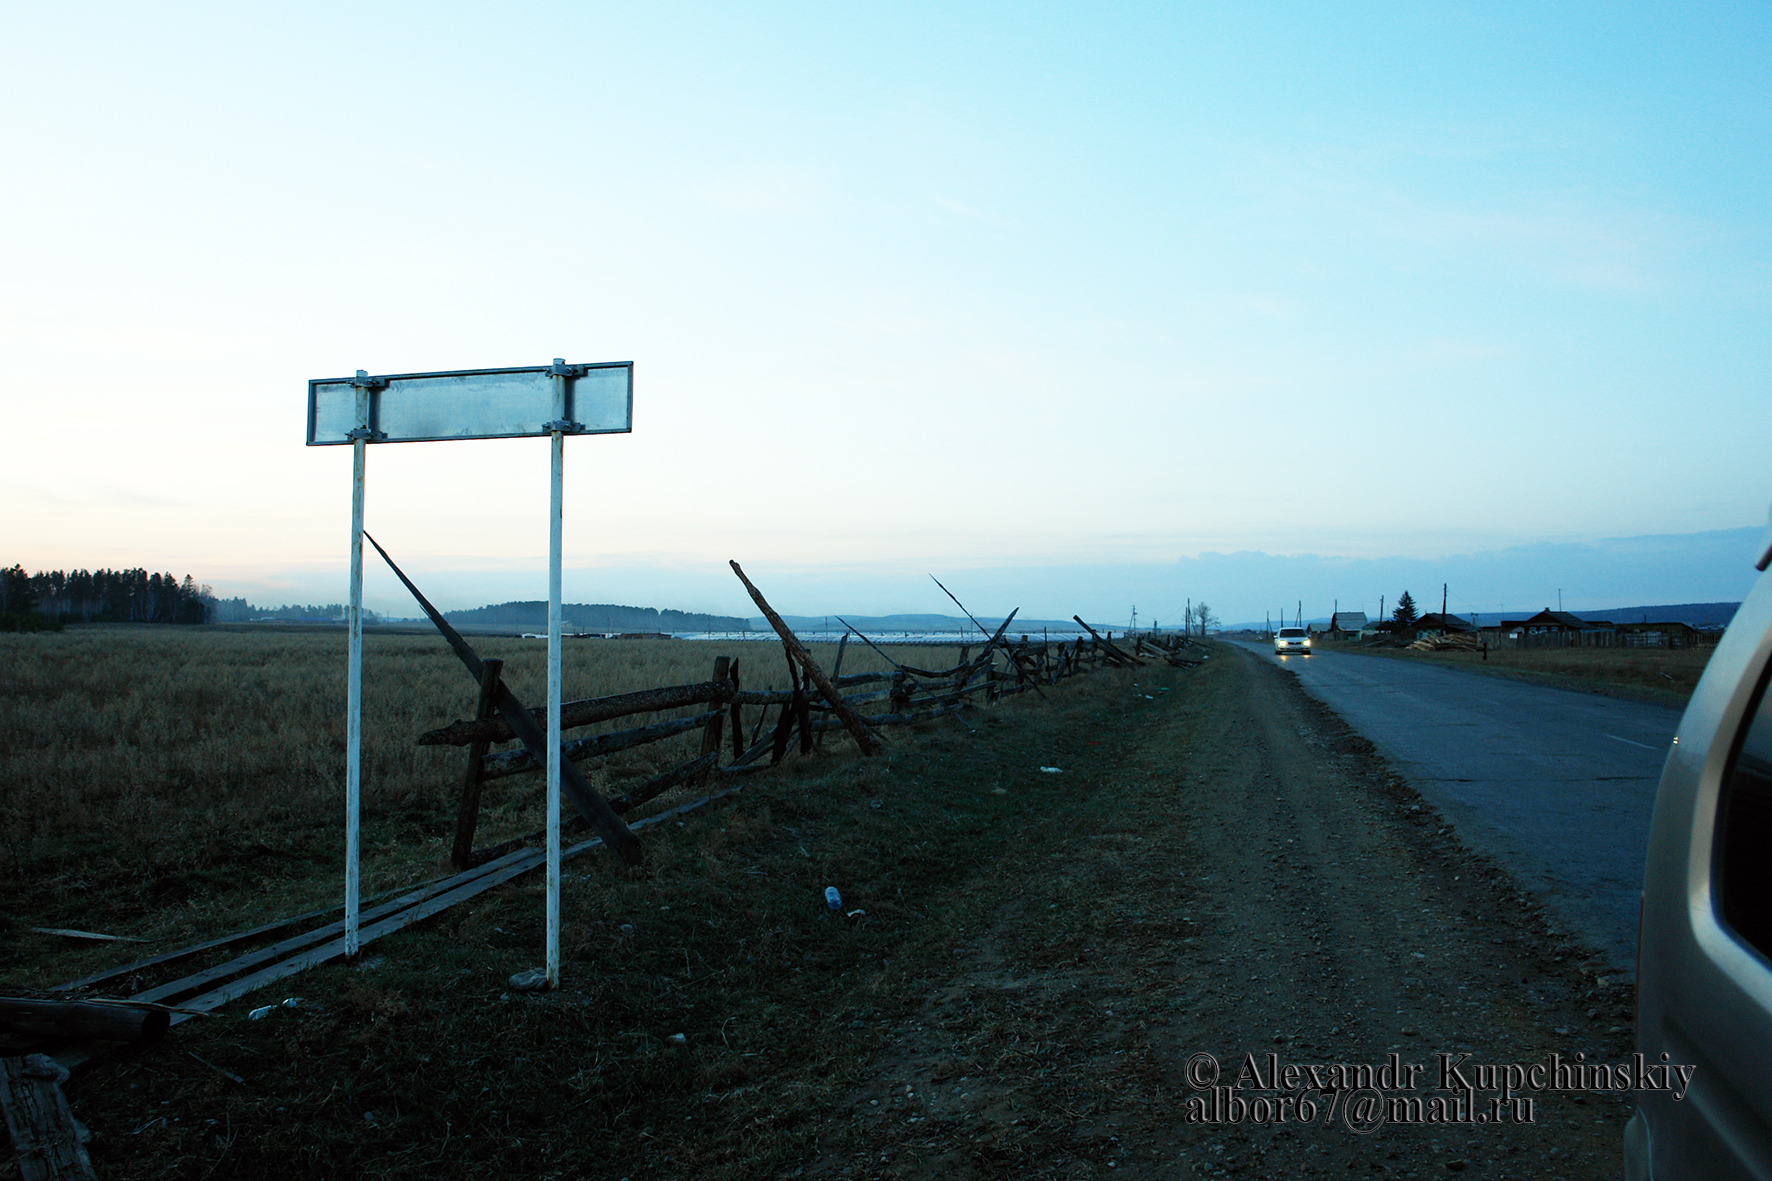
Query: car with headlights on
pixel 1295 640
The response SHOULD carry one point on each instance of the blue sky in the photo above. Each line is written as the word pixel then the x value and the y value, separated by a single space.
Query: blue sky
pixel 976 288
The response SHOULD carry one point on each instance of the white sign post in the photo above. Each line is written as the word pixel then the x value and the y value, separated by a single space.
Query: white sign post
pixel 552 400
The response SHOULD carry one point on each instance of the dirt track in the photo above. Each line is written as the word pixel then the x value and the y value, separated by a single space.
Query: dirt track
pixel 1276 889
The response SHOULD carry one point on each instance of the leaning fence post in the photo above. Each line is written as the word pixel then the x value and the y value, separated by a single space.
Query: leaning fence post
pixel 469 815
pixel 864 738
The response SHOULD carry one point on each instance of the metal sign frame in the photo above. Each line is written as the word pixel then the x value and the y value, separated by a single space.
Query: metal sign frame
pixel 472 404
pixel 549 401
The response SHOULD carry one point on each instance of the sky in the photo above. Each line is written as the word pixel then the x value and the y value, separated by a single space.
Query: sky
pixel 1061 303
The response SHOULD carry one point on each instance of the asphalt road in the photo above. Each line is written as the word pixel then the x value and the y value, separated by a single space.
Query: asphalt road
pixel 1554 786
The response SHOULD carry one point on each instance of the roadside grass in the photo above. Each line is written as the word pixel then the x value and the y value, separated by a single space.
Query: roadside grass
pixel 169 783
pixel 1657 676
pixel 418 1059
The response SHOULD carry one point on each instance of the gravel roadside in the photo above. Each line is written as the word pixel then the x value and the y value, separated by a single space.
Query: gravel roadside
pixel 1272 895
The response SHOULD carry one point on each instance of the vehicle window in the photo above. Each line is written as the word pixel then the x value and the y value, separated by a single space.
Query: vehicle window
pixel 1744 830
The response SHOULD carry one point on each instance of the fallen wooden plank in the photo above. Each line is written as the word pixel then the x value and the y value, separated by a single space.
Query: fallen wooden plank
pixel 44 1133
pixel 212 944
pixel 517 864
pixel 507 868
pixel 504 869
pixel 201 979
pixel 70 933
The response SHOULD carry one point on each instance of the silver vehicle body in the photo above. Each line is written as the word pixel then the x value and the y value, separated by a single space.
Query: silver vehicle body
pixel 1292 639
pixel 1704 952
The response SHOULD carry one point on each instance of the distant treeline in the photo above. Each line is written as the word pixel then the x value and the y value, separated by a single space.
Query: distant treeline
pixel 606 617
pixel 48 599
pixel 115 596
pixel 240 611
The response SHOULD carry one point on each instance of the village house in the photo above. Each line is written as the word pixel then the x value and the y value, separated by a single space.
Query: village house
pixel 1435 624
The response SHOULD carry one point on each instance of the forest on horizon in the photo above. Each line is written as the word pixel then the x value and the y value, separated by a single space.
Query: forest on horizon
pixel 48 599
pixel 608 617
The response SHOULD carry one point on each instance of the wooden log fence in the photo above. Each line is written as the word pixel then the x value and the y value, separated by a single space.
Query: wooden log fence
pixel 1000 668
pixel 523 726
pixel 811 705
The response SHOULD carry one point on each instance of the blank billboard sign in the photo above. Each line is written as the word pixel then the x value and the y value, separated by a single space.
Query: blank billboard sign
pixel 472 404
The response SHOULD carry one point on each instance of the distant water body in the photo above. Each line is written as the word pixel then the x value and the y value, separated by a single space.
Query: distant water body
pixel 1064 636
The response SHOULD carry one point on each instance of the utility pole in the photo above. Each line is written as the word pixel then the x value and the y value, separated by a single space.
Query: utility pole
pixel 1135 620
pixel 1381 607
pixel 1559 599
pixel 1300 622
pixel 1442 600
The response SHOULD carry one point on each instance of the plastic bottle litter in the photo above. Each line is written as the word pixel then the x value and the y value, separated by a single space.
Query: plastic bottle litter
pixel 833 899
pixel 263 1011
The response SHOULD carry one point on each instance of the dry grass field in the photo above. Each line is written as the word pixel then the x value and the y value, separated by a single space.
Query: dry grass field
pixel 1660 676
pixel 1026 964
pixel 162 781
